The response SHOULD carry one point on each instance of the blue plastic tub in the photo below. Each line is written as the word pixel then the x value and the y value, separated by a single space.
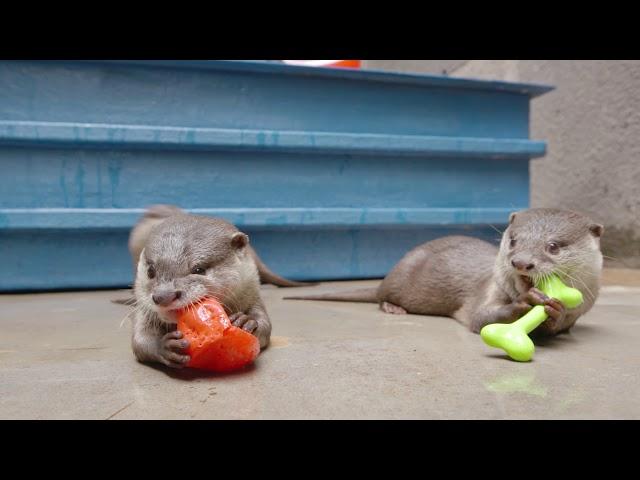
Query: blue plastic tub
pixel 334 174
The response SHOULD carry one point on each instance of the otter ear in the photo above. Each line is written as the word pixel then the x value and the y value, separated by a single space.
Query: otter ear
pixel 239 240
pixel 512 217
pixel 596 230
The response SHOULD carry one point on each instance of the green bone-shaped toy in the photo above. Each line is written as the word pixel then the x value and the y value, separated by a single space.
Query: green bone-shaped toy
pixel 513 337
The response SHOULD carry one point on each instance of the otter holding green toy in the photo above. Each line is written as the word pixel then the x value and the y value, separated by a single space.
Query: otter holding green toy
pixel 478 284
pixel 513 337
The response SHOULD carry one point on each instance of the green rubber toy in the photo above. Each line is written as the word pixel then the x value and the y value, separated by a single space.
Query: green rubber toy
pixel 513 337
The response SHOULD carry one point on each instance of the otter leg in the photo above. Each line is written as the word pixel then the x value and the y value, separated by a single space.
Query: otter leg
pixel 494 307
pixel 497 314
pixel 151 344
pixel 388 307
pixel 255 321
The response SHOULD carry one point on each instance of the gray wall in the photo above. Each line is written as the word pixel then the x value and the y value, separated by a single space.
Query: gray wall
pixel 414 66
pixel 592 125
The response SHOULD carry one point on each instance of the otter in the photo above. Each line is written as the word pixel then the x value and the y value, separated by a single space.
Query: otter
pixel 477 283
pixel 181 259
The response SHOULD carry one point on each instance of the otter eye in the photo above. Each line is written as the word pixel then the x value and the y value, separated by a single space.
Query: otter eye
pixel 198 271
pixel 512 243
pixel 553 247
pixel 151 272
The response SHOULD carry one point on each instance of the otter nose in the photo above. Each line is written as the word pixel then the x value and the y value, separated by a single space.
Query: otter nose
pixel 520 265
pixel 164 298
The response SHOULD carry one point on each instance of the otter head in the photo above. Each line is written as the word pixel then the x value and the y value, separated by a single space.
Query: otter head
pixel 187 258
pixel 542 241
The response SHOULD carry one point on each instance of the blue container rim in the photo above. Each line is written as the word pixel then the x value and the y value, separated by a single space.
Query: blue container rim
pixel 263 66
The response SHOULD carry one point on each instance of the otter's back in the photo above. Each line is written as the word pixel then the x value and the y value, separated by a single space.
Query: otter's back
pixel 435 277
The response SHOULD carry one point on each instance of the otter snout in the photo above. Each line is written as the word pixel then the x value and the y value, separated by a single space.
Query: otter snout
pixel 164 298
pixel 523 265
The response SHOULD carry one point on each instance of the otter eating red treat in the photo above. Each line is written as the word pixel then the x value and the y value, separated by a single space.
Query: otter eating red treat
pixel 214 343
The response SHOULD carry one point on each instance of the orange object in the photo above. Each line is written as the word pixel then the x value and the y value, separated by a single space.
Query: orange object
pixel 325 63
pixel 215 344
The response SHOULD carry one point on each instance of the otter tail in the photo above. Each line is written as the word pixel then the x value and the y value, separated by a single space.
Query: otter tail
pixel 162 211
pixel 363 295
pixel 267 276
pixel 153 215
pixel 156 214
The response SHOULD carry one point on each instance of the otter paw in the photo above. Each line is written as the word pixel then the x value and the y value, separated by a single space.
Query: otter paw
pixel 518 309
pixel 249 324
pixel 557 314
pixel 533 297
pixel 171 350
pixel 476 326
pixel 243 321
pixel 391 308
pixel 263 334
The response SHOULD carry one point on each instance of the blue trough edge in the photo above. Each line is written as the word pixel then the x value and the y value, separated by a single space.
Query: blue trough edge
pixel 75 135
pixel 370 75
pixel 92 218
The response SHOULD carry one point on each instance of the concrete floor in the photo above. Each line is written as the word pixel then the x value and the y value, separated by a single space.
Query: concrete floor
pixel 65 356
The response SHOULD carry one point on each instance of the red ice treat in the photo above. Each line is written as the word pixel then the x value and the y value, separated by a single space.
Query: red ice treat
pixel 215 344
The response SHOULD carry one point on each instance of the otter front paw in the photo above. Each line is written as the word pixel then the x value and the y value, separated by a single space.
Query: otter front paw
pixel 171 350
pixel 532 297
pixel 504 314
pixel 243 321
pixel 475 326
pixel 556 321
pixel 525 302
pixel 518 309
pixel 251 325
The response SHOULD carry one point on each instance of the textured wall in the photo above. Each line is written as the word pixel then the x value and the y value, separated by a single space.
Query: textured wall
pixel 414 66
pixel 592 125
